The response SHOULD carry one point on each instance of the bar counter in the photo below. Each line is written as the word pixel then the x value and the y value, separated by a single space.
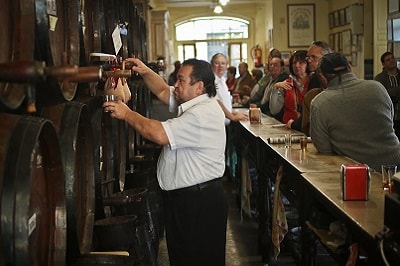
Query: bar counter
pixel 308 177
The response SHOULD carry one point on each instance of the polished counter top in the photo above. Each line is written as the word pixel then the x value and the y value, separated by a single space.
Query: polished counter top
pixel 367 215
pixel 310 160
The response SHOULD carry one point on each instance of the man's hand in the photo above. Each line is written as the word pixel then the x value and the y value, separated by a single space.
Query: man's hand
pixel 239 116
pixel 117 109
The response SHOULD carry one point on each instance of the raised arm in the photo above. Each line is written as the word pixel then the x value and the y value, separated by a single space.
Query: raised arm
pixel 152 80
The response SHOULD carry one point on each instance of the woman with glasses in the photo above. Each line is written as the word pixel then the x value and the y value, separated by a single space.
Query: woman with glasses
pixel 294 87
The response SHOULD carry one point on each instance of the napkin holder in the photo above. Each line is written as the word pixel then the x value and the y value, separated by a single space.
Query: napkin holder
pixel 255 115
pixel 355 180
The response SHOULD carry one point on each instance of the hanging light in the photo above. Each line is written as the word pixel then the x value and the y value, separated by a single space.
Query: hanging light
pixel 218 9
pixel 223 2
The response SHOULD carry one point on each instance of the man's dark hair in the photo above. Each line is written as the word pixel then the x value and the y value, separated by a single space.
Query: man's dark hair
pixel 384 55
pixel 232 70
pixel 202 72
pixel 324 45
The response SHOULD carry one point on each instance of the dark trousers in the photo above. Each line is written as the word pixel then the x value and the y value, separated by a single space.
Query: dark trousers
pixel 195 226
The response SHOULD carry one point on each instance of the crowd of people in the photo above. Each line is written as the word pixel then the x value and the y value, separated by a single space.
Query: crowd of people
pixel 318 95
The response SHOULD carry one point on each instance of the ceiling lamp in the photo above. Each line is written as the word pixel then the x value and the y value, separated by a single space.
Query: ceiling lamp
pixel 218 9
pixel 223 2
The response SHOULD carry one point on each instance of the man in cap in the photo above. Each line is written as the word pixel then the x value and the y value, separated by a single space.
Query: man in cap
pixel 353 117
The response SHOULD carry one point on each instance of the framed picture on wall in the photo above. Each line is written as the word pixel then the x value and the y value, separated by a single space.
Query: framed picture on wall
pixel 331 20
pixel 354 40
pixel 338 44
pixel 285 54
pixel 301 25
pixel 348 15
pixel 354 58
pixel 346 42
pixel 336 18
pixel 342 17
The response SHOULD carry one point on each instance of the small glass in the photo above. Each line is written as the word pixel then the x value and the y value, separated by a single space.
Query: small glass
pixel 388 172
pixel 109 98
pixel 288 140
pixel 303 143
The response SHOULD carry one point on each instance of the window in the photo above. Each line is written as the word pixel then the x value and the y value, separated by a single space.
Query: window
pixel 203 37
pixel 211 28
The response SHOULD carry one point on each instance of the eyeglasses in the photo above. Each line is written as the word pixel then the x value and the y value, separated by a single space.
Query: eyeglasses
pixel 218 63
pixel 312 57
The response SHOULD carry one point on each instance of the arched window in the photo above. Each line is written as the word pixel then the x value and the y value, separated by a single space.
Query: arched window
pixel 211 28
pixel 202 37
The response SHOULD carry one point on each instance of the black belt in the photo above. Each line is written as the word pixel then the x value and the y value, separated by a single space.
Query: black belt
pixel 201 186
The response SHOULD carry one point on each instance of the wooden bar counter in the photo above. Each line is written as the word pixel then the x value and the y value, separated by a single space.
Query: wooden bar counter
pixel 309 177
pixel 363 219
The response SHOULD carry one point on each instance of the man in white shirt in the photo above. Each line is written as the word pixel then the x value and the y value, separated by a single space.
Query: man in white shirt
pixel 191 163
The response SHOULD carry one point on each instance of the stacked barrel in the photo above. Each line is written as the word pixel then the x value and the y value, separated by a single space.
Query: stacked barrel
pixel 63 160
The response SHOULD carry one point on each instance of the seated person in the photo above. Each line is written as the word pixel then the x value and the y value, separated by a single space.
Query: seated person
pixel 244 81
pixel 294 87
pixel 230 78
pixel 353 117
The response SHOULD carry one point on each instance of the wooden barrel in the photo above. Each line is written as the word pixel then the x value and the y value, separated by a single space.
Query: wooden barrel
pixel 57 44
pixel 17 20
pixel 91 24
pixel 109 140
pixel 136 202
pixel 72 122
pixel 33 208
pixel 118 234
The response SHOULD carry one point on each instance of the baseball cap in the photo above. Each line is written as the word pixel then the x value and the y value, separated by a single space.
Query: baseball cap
pixel 334 63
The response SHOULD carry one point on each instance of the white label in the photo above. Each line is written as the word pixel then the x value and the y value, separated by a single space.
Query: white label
pixel 32 224
pixel 116 36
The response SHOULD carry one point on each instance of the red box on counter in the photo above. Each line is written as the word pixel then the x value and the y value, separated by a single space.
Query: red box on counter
pixel 355 181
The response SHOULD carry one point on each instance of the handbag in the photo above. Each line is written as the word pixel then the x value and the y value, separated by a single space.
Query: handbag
pixel 276 100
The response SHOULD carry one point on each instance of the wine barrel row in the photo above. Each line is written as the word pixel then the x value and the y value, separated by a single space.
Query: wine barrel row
pixel 64 33
pixel 60 160
pixel 51 181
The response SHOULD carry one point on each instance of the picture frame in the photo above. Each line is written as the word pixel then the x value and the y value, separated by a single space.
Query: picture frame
pixel 354 58
pixel 342 17
pixel 301 24
pixel 286 55
pixel 338 43
pixel 331 20
pixel 346 42
pixel 349 15
pixel 336 18
pixel 354 40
